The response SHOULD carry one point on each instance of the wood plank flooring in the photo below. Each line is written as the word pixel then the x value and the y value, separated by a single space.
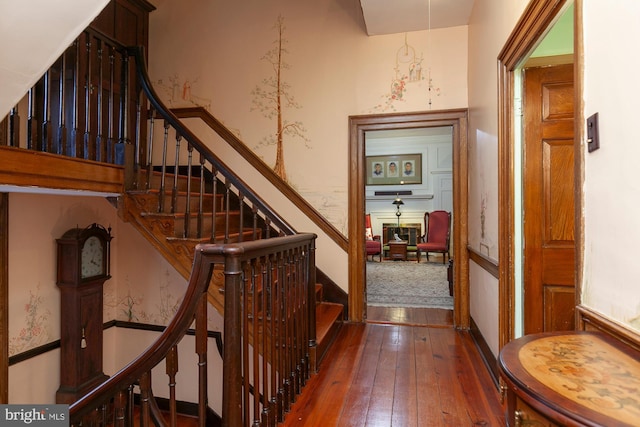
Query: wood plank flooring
pixel 386 374
pixel 434 317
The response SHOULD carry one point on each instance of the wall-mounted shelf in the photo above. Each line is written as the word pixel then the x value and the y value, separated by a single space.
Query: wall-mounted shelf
pixel 374 197
pixel 393 193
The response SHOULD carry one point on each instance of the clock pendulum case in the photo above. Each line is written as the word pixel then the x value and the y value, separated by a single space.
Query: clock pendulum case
pixel 83 267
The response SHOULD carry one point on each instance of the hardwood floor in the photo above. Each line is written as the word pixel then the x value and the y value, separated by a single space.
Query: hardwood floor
pixel 434 317
pixel 384 374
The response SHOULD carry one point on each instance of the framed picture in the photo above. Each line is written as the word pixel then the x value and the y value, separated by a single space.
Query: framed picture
pixel 394 169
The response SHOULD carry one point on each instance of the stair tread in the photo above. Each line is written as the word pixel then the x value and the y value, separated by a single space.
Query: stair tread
pixel 182 214
pixel 207 239
pixel 168 191
pixel 327 314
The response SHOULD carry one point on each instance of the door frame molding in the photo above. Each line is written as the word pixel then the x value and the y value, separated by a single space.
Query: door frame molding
pixel 358 125
pixel 531 27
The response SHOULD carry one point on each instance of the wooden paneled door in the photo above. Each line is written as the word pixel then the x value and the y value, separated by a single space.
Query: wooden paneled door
pixel 548 198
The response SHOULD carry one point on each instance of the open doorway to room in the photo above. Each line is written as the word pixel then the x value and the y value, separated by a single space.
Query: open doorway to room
pixel 408 172
pixel 540 202
pixel 360 127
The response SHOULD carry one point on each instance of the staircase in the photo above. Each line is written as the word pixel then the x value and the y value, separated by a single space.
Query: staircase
pixel 166 232
pixel 178 204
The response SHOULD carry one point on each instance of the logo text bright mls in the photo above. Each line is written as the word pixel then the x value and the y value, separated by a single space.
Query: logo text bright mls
pixel 35 415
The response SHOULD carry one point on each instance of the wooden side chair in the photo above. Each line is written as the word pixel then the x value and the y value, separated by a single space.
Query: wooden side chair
pixel 437 225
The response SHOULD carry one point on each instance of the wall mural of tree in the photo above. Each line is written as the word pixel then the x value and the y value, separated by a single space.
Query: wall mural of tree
pixel 273 96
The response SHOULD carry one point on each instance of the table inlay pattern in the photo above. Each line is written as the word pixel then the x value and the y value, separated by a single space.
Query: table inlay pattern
pixel 588 371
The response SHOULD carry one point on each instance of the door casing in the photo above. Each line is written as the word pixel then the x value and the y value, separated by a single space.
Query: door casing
pixel 358 126
pixel 536 19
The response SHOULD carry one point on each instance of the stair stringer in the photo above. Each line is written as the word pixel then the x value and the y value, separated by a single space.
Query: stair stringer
pixel 178 252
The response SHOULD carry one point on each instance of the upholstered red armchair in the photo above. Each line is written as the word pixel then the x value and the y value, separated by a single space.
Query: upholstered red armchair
pixel 436 238
pixel 373 243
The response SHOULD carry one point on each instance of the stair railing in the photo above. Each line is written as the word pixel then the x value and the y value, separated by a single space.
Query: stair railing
pixel 173 150
pixel 93 104
pixel 79 106
pixel 269 327
pixel 269 306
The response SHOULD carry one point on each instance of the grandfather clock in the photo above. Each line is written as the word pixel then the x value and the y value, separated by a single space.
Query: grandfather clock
pixel 83 267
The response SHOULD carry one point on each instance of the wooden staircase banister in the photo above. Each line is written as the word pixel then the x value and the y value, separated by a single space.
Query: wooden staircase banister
pixel 192 302
pixel 255 161
pixel 268 283
pixel 290 351
pixel 143 78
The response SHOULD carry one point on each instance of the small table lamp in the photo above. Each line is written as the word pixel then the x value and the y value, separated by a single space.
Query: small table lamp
pixel 398 201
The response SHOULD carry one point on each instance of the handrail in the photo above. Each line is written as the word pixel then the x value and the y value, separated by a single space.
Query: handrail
pixel 156 352
pixel 255 161
pixel 281 305
pixel 291 292
pixel 138 53
pixel 281 325
pixel 269 287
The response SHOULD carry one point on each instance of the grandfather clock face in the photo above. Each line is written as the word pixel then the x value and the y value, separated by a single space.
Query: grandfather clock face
pixel 92 257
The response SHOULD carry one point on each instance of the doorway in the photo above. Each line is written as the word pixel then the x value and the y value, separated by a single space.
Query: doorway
pixel 398 288
pixel 541 15
pixel 358 126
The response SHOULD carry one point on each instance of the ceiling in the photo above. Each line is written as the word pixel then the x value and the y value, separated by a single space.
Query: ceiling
pixel 399 16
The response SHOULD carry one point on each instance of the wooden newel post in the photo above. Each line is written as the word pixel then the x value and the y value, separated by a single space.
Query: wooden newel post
pixel 311 292
pixel 232 360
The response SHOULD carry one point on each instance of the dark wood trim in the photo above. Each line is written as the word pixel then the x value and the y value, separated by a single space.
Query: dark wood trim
pixel 545 61
pixel 590 320
pixel 28 168
pixel 531 27
pixel 159 328
pixel 358 125
pixel 259 164
pixel 332 292
pixel 53 345
pixel 490 361
pixel 484 262
pixel 36 351
pixel 4 298
pixel 144 5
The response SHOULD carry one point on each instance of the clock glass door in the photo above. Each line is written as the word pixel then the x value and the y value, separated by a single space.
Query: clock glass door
pixel 92 259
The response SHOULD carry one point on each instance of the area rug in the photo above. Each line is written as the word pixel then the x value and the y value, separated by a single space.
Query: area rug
pixel 408 284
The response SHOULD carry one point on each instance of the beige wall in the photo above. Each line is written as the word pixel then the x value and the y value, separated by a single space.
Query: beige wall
pixel 491 24
pixel 342 73
pixel 143 287
pixel 214 51
pixel 36 220
pixel 611 189
pixel 610 280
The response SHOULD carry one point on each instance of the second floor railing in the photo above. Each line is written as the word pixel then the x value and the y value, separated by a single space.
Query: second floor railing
pixel 79 107
pixel 96 103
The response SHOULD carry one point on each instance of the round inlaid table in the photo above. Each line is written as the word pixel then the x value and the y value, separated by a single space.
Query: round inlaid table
pixel 571 379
